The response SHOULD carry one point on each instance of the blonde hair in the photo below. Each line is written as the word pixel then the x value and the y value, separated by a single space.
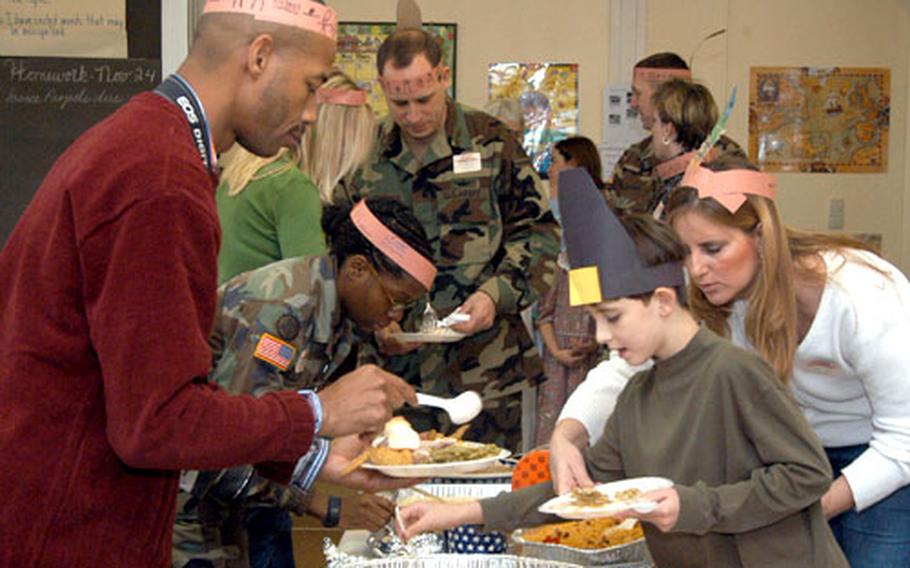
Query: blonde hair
pixel 786 263
pixel 240 166
pixel 340 140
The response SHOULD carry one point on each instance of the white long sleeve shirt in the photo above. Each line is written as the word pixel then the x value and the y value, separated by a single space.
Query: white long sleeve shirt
pixel 593 401
pixel 851 372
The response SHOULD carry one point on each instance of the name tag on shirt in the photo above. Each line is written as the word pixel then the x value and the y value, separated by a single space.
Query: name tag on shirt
pixel 466 163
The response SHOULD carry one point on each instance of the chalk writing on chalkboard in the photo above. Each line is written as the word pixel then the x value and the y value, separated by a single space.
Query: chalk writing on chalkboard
pixel 45 104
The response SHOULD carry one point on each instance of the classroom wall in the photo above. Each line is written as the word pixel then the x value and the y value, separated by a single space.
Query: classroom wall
pixel 818 33
pixel 493 31
pixel 814 33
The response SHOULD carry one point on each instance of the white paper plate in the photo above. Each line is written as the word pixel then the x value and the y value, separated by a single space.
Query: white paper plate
pixel 437 469
pixel 448 337
pixel 481 475
pixel 561 506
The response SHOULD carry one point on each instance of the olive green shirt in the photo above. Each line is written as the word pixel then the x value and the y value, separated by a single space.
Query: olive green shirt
pixel 277 215
pixel 748 468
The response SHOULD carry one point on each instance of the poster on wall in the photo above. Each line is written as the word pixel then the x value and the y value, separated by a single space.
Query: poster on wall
pixel 621 125
pixel 63 28
pixel 548 93
pixel 830 120
pixel 358 43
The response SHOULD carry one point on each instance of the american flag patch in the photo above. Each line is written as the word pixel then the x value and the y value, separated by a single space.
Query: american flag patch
pixel 274 351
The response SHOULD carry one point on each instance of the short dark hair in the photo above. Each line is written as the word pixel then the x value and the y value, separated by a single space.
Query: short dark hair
pixel 404 45
pixel 345 240
pixel 656 243
pixel 663 60
pixel 583 151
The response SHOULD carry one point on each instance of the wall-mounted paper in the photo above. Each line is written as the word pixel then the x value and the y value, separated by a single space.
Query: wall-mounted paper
pixel 63 28
pixel 621 125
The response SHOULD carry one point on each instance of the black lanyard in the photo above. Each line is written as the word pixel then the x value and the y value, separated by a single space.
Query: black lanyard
pixel 178 91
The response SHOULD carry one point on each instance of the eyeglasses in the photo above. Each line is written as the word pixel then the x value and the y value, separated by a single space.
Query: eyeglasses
pixel 394 305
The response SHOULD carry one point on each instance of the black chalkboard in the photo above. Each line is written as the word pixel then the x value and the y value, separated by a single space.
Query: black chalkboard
pixel 46 103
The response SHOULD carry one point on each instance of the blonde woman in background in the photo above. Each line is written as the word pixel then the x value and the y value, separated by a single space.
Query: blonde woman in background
pixel 270 208
pixel 338 143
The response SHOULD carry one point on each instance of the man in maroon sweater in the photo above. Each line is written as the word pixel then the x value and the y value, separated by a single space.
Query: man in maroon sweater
pixel 108 285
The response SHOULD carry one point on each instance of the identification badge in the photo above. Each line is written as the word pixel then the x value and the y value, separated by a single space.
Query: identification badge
pixel 274 351
pixel 466 163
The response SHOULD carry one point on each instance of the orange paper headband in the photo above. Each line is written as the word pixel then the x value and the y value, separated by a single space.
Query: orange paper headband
pixel 679 164
pixel 347 97
pixel 412 86
pixel 729 187
pixel 392 245
pixel 303 14
pixel 661 74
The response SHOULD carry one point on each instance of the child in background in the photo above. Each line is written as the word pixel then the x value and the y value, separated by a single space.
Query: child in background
pixel 712 417
pixel 570 348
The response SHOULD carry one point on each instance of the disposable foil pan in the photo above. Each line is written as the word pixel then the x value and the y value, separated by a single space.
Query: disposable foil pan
pixel 337 559
pixel 630 555
pixel 385 542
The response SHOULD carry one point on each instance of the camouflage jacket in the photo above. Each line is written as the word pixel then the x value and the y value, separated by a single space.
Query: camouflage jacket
pixel 490 229
pixel 291 305
pixel 293 301
pixel 634 177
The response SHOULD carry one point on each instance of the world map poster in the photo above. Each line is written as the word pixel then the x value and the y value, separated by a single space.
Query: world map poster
pixel 829 120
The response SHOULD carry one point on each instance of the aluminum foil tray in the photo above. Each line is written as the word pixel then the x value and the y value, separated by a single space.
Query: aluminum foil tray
pixel 452 561
pixel 630 555
pixel 384 543
pixel 337 559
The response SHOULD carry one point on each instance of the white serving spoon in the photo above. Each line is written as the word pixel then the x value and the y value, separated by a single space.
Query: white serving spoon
pixel 463 408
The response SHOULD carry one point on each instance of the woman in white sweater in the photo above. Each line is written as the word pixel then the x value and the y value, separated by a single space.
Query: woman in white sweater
pixel 833 319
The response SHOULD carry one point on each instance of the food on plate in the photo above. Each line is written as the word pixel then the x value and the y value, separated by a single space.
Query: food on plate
pixel 388 456
pixel 430 324
pixel 590 497
pixel 400 444
pixel 588 534
pixel 400 436
pixel 447 450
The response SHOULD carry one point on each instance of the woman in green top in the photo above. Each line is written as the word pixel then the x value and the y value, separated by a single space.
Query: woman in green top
pixel 270 208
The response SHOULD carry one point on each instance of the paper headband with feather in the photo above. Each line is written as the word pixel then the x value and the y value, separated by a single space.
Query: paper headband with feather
pixel 729 187
pixel 603 259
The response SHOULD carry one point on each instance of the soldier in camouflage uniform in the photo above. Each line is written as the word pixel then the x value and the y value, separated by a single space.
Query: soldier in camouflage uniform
pixel 635 177
pixel 480 202
pixel 285 326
